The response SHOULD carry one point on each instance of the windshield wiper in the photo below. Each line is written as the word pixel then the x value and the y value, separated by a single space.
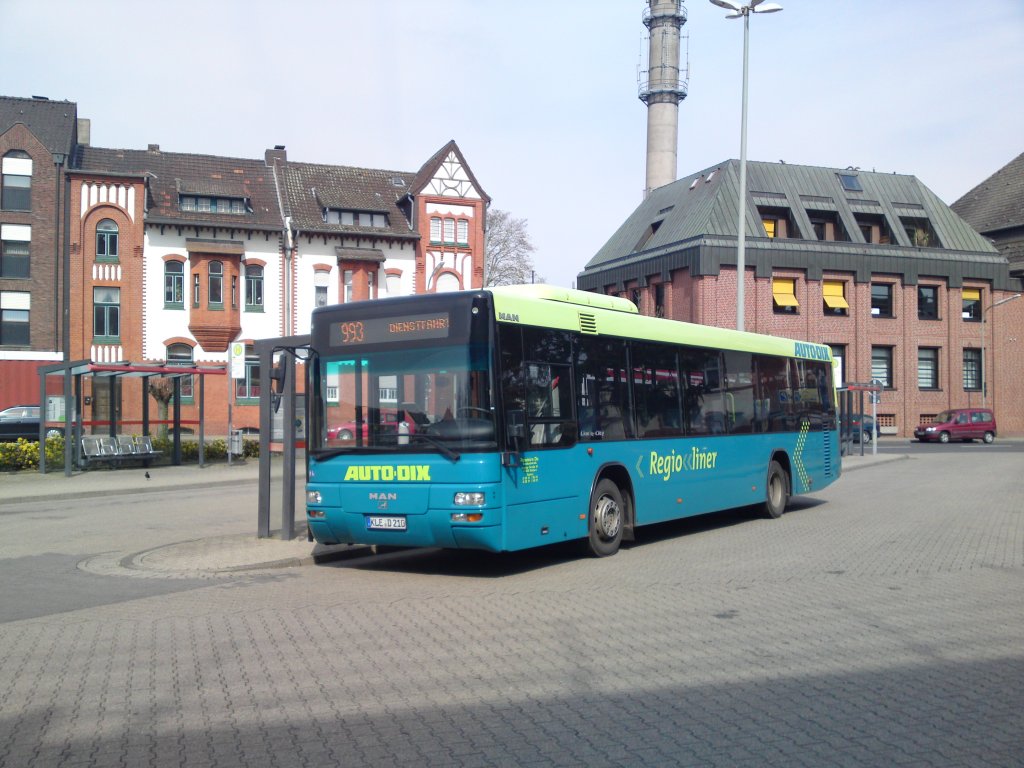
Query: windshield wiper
pixel 448 452
pixel 330 453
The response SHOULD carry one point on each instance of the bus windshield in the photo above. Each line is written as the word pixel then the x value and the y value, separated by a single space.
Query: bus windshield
pixel 424 399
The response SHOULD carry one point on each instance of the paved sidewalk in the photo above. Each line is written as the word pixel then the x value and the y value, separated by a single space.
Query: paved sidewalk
pixel 218 556
pixel 17 487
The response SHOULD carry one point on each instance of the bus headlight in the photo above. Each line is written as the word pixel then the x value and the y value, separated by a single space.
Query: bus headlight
pixel 470 499
pixel 313 497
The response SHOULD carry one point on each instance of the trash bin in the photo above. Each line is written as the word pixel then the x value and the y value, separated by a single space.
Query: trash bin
pixel 235 443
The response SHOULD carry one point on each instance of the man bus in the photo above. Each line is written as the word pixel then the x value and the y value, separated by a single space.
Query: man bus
pixel 514 417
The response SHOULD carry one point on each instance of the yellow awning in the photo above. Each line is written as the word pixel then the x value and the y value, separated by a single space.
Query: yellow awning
pixel 971 294
pixel 784 292
pixel 832 292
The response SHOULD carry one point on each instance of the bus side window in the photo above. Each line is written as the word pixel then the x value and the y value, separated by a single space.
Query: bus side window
pixel 549 418
pixel 513 387
pixel 774 392
pixel 656 390
pixel 739 380
pixel 602 388
pixel 703 403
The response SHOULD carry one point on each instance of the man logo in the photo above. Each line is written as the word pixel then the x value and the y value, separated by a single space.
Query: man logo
pixel 382 498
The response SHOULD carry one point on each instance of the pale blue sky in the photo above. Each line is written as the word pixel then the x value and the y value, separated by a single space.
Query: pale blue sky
pixel 540 96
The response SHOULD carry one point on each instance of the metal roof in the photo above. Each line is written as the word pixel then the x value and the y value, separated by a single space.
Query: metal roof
pixel 691 223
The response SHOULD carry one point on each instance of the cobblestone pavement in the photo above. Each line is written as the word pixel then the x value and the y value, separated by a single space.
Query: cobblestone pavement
pixel 877 623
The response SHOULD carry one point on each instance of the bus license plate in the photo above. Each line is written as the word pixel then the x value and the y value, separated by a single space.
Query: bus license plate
pixel 377 523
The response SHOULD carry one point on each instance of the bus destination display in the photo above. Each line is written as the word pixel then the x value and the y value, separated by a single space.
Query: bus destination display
pixel 378 330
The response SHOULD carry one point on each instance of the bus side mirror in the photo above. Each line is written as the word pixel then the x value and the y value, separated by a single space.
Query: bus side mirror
pixel 515 428
pixel 516 423
pixel 277 376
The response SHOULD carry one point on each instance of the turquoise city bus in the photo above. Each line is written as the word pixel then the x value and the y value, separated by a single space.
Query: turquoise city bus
pixel 519 416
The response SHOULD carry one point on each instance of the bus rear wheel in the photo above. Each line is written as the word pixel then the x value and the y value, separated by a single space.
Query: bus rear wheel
pixel 606 519
pixel 776 490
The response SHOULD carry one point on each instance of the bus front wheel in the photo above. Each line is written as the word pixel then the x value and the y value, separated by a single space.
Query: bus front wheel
pixel 607 516
pixel 776 491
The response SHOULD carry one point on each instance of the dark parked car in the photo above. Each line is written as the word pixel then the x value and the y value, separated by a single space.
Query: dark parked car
pixel 870 427
pixel 22 421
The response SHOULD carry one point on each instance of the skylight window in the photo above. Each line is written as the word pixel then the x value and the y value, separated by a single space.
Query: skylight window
pixel 695 182
pixel 850 182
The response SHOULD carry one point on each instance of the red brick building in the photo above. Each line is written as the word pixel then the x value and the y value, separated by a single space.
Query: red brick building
pixel 37 138
pixel 874 265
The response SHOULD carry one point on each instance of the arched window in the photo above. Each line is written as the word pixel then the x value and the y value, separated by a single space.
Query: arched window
pixel 174 285
pixel 106 241
pixel 216 283
pixel 446 282
pixel 16 194
pixel 181 354
pixel 253 288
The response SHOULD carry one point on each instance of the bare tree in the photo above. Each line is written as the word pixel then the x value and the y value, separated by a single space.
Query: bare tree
pixel 162 390
pixel 507 251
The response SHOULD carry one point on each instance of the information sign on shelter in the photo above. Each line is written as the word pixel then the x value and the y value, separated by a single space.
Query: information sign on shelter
pixel 237 360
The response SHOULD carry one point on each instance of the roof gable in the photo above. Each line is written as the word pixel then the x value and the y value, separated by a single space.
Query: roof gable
pixel 447 174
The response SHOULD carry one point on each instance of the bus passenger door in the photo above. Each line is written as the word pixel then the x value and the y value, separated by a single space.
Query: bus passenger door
pixel 539 485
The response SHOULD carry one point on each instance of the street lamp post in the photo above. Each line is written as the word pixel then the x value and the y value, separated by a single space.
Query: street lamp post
pixel 743 11
pixel 984 378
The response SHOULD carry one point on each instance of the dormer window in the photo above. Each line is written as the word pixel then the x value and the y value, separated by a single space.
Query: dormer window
pixel 348 218
pixel 218 205
pixel 919 232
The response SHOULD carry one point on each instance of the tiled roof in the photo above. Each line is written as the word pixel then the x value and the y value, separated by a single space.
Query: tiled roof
pixel 171 173
pixel 998 202
pixel 310 188
pixel 54 123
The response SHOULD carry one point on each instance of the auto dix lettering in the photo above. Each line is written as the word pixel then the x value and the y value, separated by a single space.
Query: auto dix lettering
pixel 389 473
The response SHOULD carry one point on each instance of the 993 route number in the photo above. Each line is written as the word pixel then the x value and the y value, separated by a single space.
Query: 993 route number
pixel 352 333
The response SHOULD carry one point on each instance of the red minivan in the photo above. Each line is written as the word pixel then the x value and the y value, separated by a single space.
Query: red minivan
pixel 959 424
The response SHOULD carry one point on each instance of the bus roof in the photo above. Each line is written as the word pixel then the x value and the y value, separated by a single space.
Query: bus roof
pixel 593 313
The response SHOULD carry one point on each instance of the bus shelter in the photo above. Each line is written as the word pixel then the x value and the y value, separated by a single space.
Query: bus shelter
pixel 851 404
pixel 280 396
pixel 108 374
